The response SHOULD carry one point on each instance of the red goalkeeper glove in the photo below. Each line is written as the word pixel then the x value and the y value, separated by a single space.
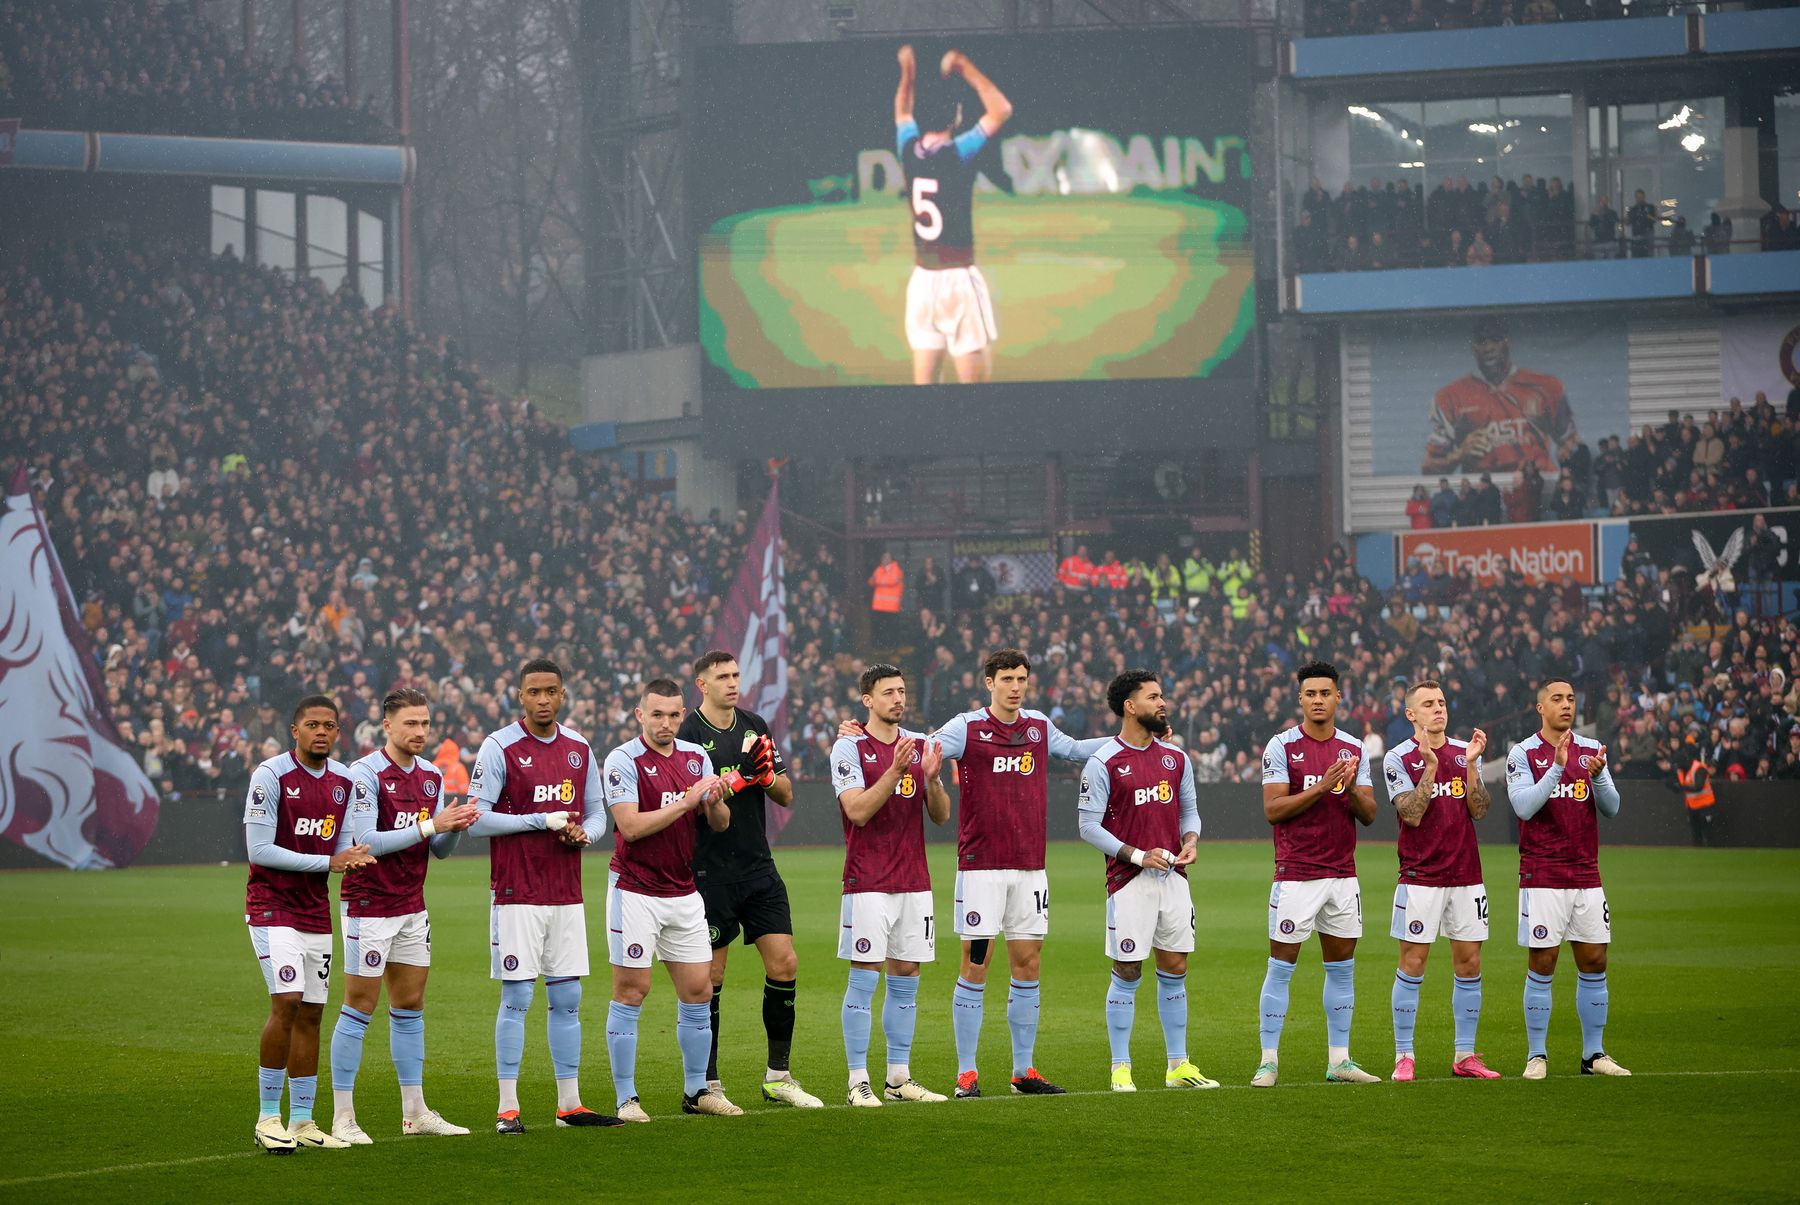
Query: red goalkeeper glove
pixel 761 767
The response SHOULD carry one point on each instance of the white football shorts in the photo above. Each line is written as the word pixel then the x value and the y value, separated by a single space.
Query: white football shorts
pixel 293 961
pixel 1152 912
pixel 670 927
pixel 949 309
pixel 994 902
pixel 528 940
pixel 1331 906
pixel 371 942
pixel 1423 914
pixel 877 925
pixel 1549 916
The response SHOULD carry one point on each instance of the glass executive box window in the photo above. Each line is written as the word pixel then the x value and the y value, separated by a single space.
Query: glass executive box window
pixel 1422 142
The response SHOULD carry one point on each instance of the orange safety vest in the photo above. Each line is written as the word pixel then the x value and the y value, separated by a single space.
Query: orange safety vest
pixel 889 581
pixel 1076 572
pixel 448 760
pixel 1696 800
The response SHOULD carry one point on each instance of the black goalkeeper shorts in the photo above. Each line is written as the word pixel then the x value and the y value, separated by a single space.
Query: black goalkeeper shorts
pixel 756 907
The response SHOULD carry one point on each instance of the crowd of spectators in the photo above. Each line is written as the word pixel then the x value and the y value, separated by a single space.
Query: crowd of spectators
pixel 1228 637
pixel 1396 224
pixel 260 489
pixel 162 68
pixel 1738 458
pixel 1327 18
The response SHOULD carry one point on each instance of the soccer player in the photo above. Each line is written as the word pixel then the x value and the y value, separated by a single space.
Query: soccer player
pixel 295 832
pixel 1559 786
pixel 1001 888
pixel 660 789
pixel 1316 790
pixel 1138 808
pixel 736 874
pixel 1435 786
pixel 1499 417
pixel 537 790
pixel 398 810
pixel 948 308
pixel 886 779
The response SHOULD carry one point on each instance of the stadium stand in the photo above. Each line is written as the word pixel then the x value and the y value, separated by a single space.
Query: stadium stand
pixel 378 535
pixel 1394 224
pixel 143 67
pixel 1329 18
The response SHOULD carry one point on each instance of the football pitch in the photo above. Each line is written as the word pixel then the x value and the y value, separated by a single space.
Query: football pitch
pixel 132 1006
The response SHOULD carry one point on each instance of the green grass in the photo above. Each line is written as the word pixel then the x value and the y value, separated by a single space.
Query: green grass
pixel 132 1006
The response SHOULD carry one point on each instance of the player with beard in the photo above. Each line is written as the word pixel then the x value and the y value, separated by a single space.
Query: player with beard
pixel 1138 808
pixel 399 810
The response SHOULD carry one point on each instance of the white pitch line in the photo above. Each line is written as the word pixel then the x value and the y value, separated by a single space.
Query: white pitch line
pixel 82 1173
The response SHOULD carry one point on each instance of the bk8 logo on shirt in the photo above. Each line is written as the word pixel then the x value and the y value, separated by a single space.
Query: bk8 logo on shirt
pixel 1160 793
pixel 671 798
pixel 1577 791
pixel 315 826
pixel 1014 765
pixel 408 819
pixel 1313 780
pixel 551 792
pixel 906 786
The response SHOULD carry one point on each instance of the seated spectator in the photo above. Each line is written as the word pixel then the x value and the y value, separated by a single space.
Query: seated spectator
pixel 1480 254
pixel 1456 253
pixel 1567 502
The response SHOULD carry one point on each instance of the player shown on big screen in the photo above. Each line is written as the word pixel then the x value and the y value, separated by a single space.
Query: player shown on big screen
pixel 948 308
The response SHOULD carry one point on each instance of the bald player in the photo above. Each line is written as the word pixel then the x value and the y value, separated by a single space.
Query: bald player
pixel 1559 787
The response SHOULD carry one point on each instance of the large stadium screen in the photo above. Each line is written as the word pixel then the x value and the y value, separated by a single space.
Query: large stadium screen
pixel 1067 208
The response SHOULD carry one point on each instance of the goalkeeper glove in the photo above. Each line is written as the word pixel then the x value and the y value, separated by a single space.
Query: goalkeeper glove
pixel 762 762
